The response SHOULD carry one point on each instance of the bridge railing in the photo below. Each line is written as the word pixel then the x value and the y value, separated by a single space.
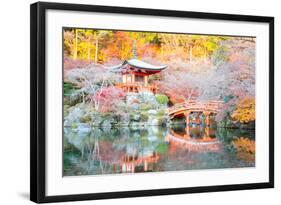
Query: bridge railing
pixel 196 105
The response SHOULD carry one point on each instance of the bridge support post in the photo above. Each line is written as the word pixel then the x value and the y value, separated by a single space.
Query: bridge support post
pixel 207 118
pixel 187 120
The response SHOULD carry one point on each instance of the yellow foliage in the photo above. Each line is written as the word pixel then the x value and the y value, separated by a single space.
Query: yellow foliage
pixel 244 144
pixel 246 149
pixel 245 111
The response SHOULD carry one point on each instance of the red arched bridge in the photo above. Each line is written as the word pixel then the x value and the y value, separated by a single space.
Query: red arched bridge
pixel 191 106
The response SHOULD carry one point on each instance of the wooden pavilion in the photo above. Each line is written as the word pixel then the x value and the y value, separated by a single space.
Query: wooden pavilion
pixel 135 74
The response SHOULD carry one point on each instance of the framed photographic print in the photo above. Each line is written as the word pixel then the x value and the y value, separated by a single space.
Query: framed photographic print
pixel 129 102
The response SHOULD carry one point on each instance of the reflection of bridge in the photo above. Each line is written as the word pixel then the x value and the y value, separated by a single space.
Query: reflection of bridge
pixel 204 144
pixel 185 109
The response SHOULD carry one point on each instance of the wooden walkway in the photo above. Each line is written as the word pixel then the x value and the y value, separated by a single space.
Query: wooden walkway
pixel 185 109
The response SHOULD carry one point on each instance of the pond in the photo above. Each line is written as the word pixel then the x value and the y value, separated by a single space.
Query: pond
pixel 98 151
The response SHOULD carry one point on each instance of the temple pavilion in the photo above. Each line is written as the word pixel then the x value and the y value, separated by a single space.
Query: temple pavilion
pixel 135 74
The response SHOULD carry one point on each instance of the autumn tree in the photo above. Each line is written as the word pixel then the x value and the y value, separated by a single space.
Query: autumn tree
pixel 110 99
pixel 233 79
pixel 91 81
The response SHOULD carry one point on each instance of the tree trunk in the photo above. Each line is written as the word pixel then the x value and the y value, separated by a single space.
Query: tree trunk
pixel 89 52
pixel 97 50
pixel 205 54
pixel 75 44
pixel 190 53
pixel 122 57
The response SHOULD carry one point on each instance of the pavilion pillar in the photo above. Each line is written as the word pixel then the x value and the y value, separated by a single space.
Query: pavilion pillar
pixel 133 78
pixel 145 166
pixel 145 80
pixel 133 167
pixel 124 77
pixel 187 116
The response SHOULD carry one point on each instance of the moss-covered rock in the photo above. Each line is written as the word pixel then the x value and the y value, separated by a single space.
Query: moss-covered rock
pixel 149 113
pixel 144 116
pixel 135 116
pixel 162 99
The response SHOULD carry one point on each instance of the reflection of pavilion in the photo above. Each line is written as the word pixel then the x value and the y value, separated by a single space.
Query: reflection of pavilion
pixel 130 163
pixel 207 142
pixel 130 157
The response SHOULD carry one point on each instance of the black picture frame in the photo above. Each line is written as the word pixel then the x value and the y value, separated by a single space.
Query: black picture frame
pixel 38 101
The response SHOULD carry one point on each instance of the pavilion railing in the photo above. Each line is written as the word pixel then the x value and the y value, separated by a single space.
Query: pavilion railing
pixel 137 87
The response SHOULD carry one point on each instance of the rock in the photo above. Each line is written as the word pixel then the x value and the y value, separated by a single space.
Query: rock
pixel 134 124
pixel 67 123
pixel 96 119
pixel 142 124
pixel 144 116
pixel 152 130
pixel 131 98
pixel 137 125
pixel 163 120
pixel 74 137
pixel 148 97
pixel 152 112
pixel 83 127
pixel 106 123
pixel 106 129
pixel 80 113
pixel 152 138
pixel 96 123
pixel 124 120
pixel 135 117
pixel 142 100
pixel 142 110
pixel 125 132
pixel 135 106
pixel 153 122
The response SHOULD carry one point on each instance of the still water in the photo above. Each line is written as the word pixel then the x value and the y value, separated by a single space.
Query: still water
pixel 95 151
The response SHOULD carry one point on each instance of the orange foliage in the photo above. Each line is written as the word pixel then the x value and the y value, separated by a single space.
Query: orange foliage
pixel 245 111
pixel 103 45
pixel 175 98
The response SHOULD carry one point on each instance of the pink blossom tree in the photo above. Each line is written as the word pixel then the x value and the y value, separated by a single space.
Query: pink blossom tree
pixel 110 99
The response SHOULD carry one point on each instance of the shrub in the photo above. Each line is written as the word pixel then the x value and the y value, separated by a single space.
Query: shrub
pixel 245 111
pixel 144 116
pixel 146 107
pixel 162 99
pixel 86 118
pixel 110 99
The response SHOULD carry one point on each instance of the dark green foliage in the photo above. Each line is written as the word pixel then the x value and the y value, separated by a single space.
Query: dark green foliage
pixel 68 88
pixel 162 148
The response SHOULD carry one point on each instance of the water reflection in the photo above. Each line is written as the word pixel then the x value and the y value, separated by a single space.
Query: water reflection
pixel 199 139
pixel 125 150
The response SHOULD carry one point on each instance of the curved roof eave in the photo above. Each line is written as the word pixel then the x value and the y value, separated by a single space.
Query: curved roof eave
pixel 143 65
